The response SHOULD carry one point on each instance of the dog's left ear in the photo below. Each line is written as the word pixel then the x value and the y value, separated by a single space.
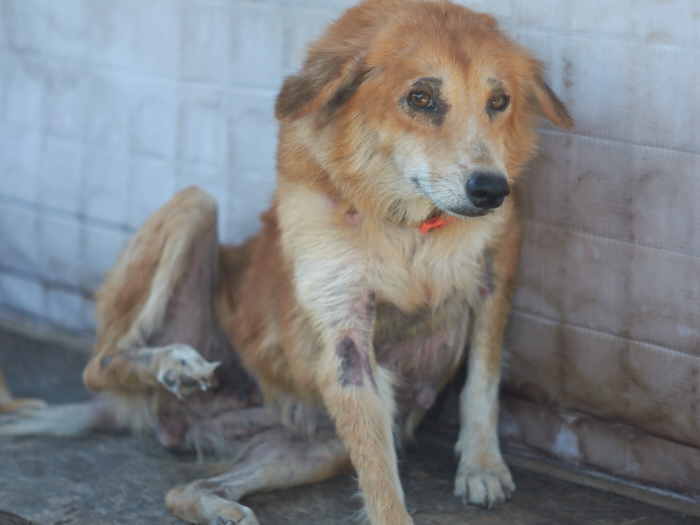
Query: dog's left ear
pixel 549 105
pixel 327 79
pixel 544 100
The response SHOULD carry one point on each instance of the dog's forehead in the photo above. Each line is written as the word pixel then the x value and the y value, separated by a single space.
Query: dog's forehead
pixel 443 47
pixel 457 70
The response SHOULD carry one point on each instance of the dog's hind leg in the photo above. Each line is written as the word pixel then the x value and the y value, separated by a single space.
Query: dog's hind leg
pixel 156 306
pixel 158 335
pixel 275 459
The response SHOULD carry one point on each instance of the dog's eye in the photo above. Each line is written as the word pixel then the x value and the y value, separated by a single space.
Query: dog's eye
pixel 499 103
pixel 420 99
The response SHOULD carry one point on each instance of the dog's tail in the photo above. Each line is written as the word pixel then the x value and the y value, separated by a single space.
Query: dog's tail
pixel 68 420
pixel 26 417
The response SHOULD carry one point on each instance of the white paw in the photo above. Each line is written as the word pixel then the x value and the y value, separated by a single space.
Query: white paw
pixel 236 514
pixel 182 370
pixel 487 486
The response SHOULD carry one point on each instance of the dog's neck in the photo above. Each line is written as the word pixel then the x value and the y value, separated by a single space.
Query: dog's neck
pixel 434 222
pixel 425 218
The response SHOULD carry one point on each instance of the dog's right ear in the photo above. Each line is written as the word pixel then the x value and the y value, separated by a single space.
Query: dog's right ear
pixel 327 79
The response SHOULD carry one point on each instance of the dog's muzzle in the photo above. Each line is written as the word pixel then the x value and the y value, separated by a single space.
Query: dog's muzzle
pixel 487 190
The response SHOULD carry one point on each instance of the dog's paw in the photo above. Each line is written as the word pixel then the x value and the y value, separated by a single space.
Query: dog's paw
pixel 235 514
pixel 182 370
pixel 486 486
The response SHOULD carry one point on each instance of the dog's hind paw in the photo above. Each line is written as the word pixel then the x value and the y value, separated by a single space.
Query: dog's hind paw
pixel 235 514
pixel 487 487
pixel 182 370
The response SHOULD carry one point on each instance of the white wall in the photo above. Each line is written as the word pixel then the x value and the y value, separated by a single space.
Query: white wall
pixel 107 107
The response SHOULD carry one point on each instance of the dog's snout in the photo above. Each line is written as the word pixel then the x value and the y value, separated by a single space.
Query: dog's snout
pixel 487 190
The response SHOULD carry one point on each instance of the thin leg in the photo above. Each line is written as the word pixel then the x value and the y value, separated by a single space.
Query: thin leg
pixel 158 337
pixel 482 476
pixel 273 460
pixel 160 292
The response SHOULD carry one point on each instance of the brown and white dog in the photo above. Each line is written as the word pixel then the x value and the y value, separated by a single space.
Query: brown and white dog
pixel 388 255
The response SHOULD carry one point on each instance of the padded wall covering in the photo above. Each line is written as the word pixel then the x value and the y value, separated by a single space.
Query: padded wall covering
pixel 604 371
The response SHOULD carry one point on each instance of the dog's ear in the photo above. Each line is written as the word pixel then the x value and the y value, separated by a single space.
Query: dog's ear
pixel 327 79
pixel 544 101
pixel 549 105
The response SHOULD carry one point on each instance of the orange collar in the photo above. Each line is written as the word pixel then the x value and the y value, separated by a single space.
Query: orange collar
pixel 436 223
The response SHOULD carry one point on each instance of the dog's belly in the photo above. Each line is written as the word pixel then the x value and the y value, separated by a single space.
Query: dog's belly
pixel 423 348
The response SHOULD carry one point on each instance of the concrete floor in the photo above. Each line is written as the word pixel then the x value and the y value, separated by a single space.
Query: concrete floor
pixel 121 479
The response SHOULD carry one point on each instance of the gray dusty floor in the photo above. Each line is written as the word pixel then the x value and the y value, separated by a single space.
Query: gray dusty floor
pixel 122 479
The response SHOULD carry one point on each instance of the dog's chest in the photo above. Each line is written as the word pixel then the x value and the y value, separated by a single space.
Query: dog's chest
pixel 410 269
pixel 423 348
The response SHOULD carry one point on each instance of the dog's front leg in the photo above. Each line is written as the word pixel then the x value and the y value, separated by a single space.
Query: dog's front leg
pixel 357 393
pixel 359 397
pixel 482 476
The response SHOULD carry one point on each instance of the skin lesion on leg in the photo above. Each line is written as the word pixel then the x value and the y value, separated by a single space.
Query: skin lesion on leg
pixel 359 398
pixel 353 347
pixel 355 364
pixel 356 392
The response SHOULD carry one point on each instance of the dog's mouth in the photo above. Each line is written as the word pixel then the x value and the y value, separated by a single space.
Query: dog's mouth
pixel 465 210
pixel 484 192
pixel 469 212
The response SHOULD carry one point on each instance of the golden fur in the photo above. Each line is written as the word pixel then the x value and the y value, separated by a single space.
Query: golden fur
pixel 346 320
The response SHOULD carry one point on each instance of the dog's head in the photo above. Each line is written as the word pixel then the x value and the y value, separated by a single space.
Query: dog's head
pixel 415 105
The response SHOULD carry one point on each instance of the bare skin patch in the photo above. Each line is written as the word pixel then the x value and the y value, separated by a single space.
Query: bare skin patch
pixel 425 397
pixel 354 364
pixel 350 363
pixel 420 347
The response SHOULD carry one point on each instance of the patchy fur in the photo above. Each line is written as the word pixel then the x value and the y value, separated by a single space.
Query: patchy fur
pixel 340 322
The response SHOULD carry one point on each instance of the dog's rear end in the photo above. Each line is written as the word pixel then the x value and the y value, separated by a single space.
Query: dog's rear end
pixel 391 247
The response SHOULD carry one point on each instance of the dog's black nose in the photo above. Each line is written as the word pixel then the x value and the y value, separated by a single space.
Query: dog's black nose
pixel 487 190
